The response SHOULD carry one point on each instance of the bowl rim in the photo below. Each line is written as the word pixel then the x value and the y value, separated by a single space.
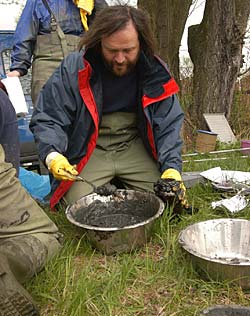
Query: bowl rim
pixel 234 307
pixel 201 256
pixel 112 229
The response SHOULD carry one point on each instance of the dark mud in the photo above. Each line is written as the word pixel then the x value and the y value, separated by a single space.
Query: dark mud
pixel 115 213
pixel 106 189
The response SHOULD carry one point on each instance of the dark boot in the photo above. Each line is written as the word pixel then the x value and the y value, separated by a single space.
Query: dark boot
pixel 14 299
pixel 20 259
pixel 26 255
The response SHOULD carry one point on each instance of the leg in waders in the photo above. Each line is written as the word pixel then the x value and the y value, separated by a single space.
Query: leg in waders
pixel 119 154
pixel 28 239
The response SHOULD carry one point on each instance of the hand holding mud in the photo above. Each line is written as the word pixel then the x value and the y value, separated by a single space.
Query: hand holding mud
pixel 171 189
pixel 61 169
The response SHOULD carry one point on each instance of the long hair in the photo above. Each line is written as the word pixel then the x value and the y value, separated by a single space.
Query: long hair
pixel 115 18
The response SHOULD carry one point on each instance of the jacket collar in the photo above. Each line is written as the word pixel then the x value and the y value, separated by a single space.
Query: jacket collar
pixel 153 74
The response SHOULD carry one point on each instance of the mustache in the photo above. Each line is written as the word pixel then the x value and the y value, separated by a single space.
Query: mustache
pixel 119 64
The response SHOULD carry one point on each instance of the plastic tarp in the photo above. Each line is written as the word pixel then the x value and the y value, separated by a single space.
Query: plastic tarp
pixel 37 185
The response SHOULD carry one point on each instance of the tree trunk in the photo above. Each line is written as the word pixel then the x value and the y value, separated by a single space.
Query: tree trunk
pixel 215 48
pixel 169 18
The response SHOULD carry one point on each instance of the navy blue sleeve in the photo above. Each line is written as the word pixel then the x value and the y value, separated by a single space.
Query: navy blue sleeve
pixel 55 109
pixel 25 39
pixel 167 123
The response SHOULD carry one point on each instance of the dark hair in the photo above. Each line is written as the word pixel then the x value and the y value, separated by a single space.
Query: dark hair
pixel 115 18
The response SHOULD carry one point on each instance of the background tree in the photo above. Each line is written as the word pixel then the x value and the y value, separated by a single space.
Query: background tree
pixel 169 17
pixel 215 47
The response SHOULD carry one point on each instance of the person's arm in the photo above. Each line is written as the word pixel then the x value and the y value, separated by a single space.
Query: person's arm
pixel 168 119
pixel 24 40
pixel 14 73
pixel 54 114
pixel 167 122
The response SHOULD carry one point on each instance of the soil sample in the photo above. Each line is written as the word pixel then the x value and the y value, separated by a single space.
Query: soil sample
pixel 115 213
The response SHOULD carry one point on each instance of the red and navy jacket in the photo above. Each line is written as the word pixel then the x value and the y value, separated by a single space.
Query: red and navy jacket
pixel 69 110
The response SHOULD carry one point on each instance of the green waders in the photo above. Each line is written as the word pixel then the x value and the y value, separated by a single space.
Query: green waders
pixel 119 153
pixel 49 51
pixel 28 238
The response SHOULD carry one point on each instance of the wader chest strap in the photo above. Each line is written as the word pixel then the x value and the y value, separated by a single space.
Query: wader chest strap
pixel 56 27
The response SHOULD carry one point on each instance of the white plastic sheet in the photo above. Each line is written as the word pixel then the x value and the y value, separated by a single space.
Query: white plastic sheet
pixel 218 175
pixel 238 202
pixel 15 92
pixel 234 204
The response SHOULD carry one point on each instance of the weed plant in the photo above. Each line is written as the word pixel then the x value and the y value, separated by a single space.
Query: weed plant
pixel 155 280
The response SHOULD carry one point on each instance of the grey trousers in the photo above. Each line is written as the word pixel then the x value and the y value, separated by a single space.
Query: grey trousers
pixel 119 153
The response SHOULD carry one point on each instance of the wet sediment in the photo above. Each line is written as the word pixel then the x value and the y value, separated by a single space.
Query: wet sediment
pixel 115 213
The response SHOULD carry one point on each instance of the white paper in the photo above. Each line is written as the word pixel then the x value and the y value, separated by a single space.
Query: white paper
pixel 236 176
pixel 15 92
pixel 221 176
pixel 214 174
pixel 132 3
pixel 234 204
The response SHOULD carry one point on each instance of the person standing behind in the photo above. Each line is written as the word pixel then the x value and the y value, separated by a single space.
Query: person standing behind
pixel 47 32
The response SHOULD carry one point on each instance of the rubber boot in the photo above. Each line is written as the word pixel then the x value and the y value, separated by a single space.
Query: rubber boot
pixel 20 258
pixel 14 299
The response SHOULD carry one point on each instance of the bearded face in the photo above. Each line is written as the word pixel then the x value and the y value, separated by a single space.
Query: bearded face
pixel 121 49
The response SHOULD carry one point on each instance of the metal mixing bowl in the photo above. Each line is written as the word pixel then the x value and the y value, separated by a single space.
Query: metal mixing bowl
pixel 226 310
pixel 220 249
pixel 118 239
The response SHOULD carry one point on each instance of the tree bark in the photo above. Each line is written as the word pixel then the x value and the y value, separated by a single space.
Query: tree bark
pixel 215 48
pixel 169 18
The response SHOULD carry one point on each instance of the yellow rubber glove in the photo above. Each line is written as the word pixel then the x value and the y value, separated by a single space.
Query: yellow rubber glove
pixel 171 174
pixel 174 175
pixel 61 168
pixel 171 189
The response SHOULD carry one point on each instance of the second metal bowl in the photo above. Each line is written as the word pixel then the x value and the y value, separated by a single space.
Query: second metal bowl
pixel 220 249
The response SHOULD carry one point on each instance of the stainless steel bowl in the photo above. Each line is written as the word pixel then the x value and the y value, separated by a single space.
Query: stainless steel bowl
pixel 118 239
pixel 220 249
pixel 226 310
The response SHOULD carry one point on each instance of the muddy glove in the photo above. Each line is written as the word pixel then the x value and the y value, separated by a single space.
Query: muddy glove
pixel 59 166
pixel 171 189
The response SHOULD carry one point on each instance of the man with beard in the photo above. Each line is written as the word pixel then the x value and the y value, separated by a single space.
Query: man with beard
pixel 111 111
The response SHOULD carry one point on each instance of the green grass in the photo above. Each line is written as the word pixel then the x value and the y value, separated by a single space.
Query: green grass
pixel 155 280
